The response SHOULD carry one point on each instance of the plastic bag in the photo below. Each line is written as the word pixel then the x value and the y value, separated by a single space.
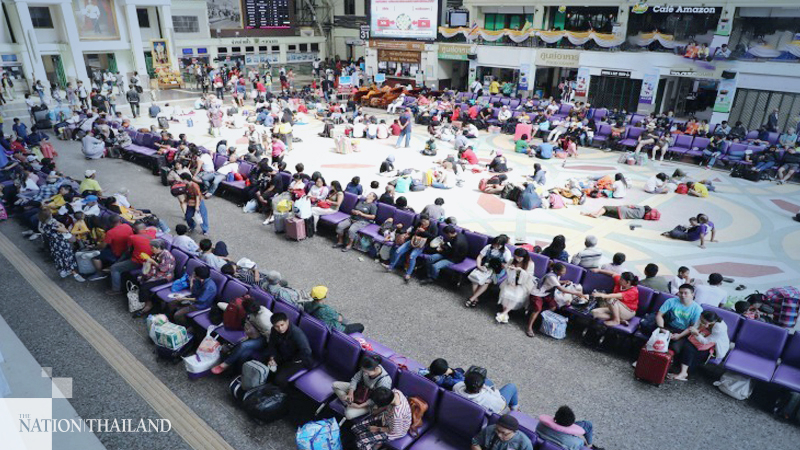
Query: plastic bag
pixel 250 206
pixel 737 386
pixel 659 341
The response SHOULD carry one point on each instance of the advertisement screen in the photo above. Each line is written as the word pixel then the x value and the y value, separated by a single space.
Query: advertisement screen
pixel 411 19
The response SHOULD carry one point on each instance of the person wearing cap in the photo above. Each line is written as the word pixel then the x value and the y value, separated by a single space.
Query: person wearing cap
pixel 504 435
pixel 158 269
pixel 89 206
pixel 246 271
pixel 319 309
pixel 475 388
pixel 563 430
pixel 89 185
pixel 257 328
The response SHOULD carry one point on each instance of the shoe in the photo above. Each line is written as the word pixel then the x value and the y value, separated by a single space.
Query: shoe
pixel 337 245
pixel 97 276
pixel 78 278
pixel 425 281
pixel 27 233
pixel 64 274
pixel 34 236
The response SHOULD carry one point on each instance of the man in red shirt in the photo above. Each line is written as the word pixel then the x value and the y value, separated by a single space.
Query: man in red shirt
pixel 114 245
pixel 137 244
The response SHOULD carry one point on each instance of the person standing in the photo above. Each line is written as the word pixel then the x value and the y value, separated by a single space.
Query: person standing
pixel 194 204
pixel 133 99
pixel 83 94
pixel 405 128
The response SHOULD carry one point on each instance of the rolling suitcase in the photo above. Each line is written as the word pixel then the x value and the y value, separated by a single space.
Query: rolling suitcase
pixel 295 228
pixel 652 367
pixel 280 221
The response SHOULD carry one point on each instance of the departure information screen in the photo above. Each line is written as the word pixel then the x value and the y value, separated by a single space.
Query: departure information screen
pixel 266 14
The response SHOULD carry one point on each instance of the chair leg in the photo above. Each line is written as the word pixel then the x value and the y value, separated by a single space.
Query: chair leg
pixel 319 410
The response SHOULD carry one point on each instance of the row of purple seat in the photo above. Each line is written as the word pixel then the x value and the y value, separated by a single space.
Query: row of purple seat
pixel 754 348
pixel 450 422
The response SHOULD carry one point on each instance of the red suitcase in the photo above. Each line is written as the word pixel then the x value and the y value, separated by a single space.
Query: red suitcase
pixel 652 367
pixel 295 228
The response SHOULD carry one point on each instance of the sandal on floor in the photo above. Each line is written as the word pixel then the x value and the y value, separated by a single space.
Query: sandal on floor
pixel 529 333
pixel 471 303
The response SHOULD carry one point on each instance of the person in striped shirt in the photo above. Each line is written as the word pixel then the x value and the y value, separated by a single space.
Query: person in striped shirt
pixel 390 420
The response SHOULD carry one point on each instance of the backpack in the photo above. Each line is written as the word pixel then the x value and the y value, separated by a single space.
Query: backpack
pixel 234 315
pixel 418 409
pixel 403 185
pixel 652 215
pixel 163 122
pixel 682 189
pixel 289 295
pixel 482 185
pixel 254 374
pixel 556 201
pixel 416 186
pixel 178 188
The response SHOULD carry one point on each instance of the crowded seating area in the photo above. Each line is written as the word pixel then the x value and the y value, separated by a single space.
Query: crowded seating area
pixel 229 318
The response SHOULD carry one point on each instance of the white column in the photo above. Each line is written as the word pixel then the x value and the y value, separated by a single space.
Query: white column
pixel 137 50
pixel 31 44
pixel 74 43
pixel 166 31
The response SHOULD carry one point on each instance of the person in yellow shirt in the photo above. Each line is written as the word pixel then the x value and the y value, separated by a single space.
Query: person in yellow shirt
pixel 57 201
pixel 80 230
pixel 697 189
pixel 90 184
pixel 494 87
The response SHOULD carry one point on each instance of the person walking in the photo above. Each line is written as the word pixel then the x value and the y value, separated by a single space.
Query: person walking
pixel 133 99
pixel 194 204
pixel 405 130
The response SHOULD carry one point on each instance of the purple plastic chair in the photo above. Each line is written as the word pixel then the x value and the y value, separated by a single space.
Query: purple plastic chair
pixel 698 145
pixel 476 243
pixel 384 212
pixel 574 273
pixel 597 281
pixel 458 420
pixel 631 137
pixel 732 320
pixel 751 135
pixel 602 134
pixel 645 298
pixel 265 299
pixel 414 385
pixel 788 373
pixel 219 160
pixel 348 202
pixel 317 334
pixel 162 293
pixel 291 312
pixel 758 348
pixel 378 348
pixel 540 264
pixel 683 143
pixel 341 362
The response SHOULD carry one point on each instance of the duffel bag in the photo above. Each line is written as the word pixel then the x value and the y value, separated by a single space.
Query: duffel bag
pixel 266 403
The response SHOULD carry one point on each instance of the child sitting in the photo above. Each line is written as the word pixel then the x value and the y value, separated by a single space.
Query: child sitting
pixel 430 148
pixel 80 231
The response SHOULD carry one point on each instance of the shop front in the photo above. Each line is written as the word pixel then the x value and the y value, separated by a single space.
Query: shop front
pixel 454 65
pixel 689 91
pixel 613 88
pixel 190 58
pixel 401 61
pixel 554 67
pixel 10 64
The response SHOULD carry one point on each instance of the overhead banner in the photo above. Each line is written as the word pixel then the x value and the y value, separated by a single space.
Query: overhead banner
pixel 647 95
pixel 408 19
pixel 726 91
pixel 582 82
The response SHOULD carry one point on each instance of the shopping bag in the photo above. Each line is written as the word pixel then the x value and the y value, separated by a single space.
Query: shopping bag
pixel 659 341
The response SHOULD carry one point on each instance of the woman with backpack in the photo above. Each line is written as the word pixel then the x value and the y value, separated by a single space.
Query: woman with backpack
pixel 355 394
pixel 491 266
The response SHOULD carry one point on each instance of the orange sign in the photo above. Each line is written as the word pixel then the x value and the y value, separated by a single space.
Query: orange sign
pixel 397 45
